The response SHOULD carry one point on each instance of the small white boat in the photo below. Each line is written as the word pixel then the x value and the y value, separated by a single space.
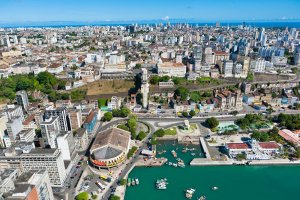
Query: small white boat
pixel 189 193
pixel 137 181
pixel 202 198
pixel 214 188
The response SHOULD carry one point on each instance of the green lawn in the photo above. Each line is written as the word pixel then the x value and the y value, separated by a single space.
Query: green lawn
pixel 194 126
pixel 170 131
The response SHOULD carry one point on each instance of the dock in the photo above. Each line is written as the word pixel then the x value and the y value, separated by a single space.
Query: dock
pixel 209 162
pixel 151 162
pixel 205 149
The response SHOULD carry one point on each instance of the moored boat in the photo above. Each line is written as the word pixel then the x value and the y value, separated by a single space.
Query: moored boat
pixel 214 188
pixel 128 182
pixel 189 193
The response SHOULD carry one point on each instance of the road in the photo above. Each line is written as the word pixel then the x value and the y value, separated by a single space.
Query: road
pixel 154 123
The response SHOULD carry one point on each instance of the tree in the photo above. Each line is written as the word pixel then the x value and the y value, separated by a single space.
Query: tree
pixel 159 133
pixel 102 102
pixel 123 127
pixel 132 123
pixel 114 197
pixel 192 113
pixel 294 70
pixel 116 112
pixel 107 116
pixel 255 135
pixel 212 122
pixel 298 152
pixel 138 66
pixel 82 196
pixel 123 182
pixel 182 92
pixel 154 80
pixel 241 156
pixel 133 135
pixel 141 135
pixel 185 114
pixel 125 112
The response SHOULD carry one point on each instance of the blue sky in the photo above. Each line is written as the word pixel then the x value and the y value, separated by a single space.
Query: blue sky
pixel 102 10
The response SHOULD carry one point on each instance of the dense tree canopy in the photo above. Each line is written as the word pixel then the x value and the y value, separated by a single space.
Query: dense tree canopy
pixel 212 122
pixel 44 81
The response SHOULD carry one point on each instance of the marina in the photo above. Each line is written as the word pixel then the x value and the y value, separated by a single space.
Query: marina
pixel 203 179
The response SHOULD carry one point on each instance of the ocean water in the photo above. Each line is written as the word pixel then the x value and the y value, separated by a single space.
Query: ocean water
pixel 59 24
pixel 234 182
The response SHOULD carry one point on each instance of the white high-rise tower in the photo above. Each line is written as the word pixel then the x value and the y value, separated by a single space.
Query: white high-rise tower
pixel 145 87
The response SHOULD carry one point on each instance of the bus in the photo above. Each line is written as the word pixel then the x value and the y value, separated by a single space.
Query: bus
pixel 105 178
pixel 100 185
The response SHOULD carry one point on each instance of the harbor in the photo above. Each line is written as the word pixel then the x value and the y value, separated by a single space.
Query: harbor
pixel 211 174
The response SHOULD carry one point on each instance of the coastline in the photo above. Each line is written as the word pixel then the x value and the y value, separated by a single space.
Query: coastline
pixel 208 162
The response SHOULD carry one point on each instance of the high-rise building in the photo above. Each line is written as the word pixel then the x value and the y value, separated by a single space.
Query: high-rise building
pixel 31 185
pixel 75 118
pixel 63 117
pixel 12 111
pixel 227 68
pixel 3 128
pixel 14 127
pixel 66 144
pixel 25 157
pixel 258 65
pixel 262 34
pixel 22 99
pixel 50 129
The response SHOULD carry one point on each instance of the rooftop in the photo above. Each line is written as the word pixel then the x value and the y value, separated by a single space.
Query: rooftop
pixel 110 143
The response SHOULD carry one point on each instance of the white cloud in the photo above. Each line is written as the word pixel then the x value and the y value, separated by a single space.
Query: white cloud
pixel 166 18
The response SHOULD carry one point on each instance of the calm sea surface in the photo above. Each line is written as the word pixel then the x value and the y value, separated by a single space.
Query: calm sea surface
pixel 234 182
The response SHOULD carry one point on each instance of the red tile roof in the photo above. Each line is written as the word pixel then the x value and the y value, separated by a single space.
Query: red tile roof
pixel 90 117
pixel 237 146
pixel 268 145
pixel 28 120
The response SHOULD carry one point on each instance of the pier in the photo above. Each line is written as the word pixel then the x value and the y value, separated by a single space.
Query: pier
pixel 151 162
pixel 205 149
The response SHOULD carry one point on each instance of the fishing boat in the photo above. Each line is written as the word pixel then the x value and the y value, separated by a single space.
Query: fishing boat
pixel 189 193
pixel 174 153
pixel 175 165
pixel 132 182
pixel 214 188
pixel 202 198
pixel 137 181
pixel 128 182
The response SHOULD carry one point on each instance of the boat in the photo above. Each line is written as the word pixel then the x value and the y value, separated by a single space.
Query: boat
pixel 202 198
pixel 128 182
pixel 174 153
pixel 181 164
pixel 161 184
pixel 193 154
pixel 214 188
pixel 189 193
pixel 137 181
pixel 132 182
pixel 175 165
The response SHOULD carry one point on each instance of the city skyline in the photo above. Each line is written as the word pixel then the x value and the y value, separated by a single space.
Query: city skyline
pixel 14 11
